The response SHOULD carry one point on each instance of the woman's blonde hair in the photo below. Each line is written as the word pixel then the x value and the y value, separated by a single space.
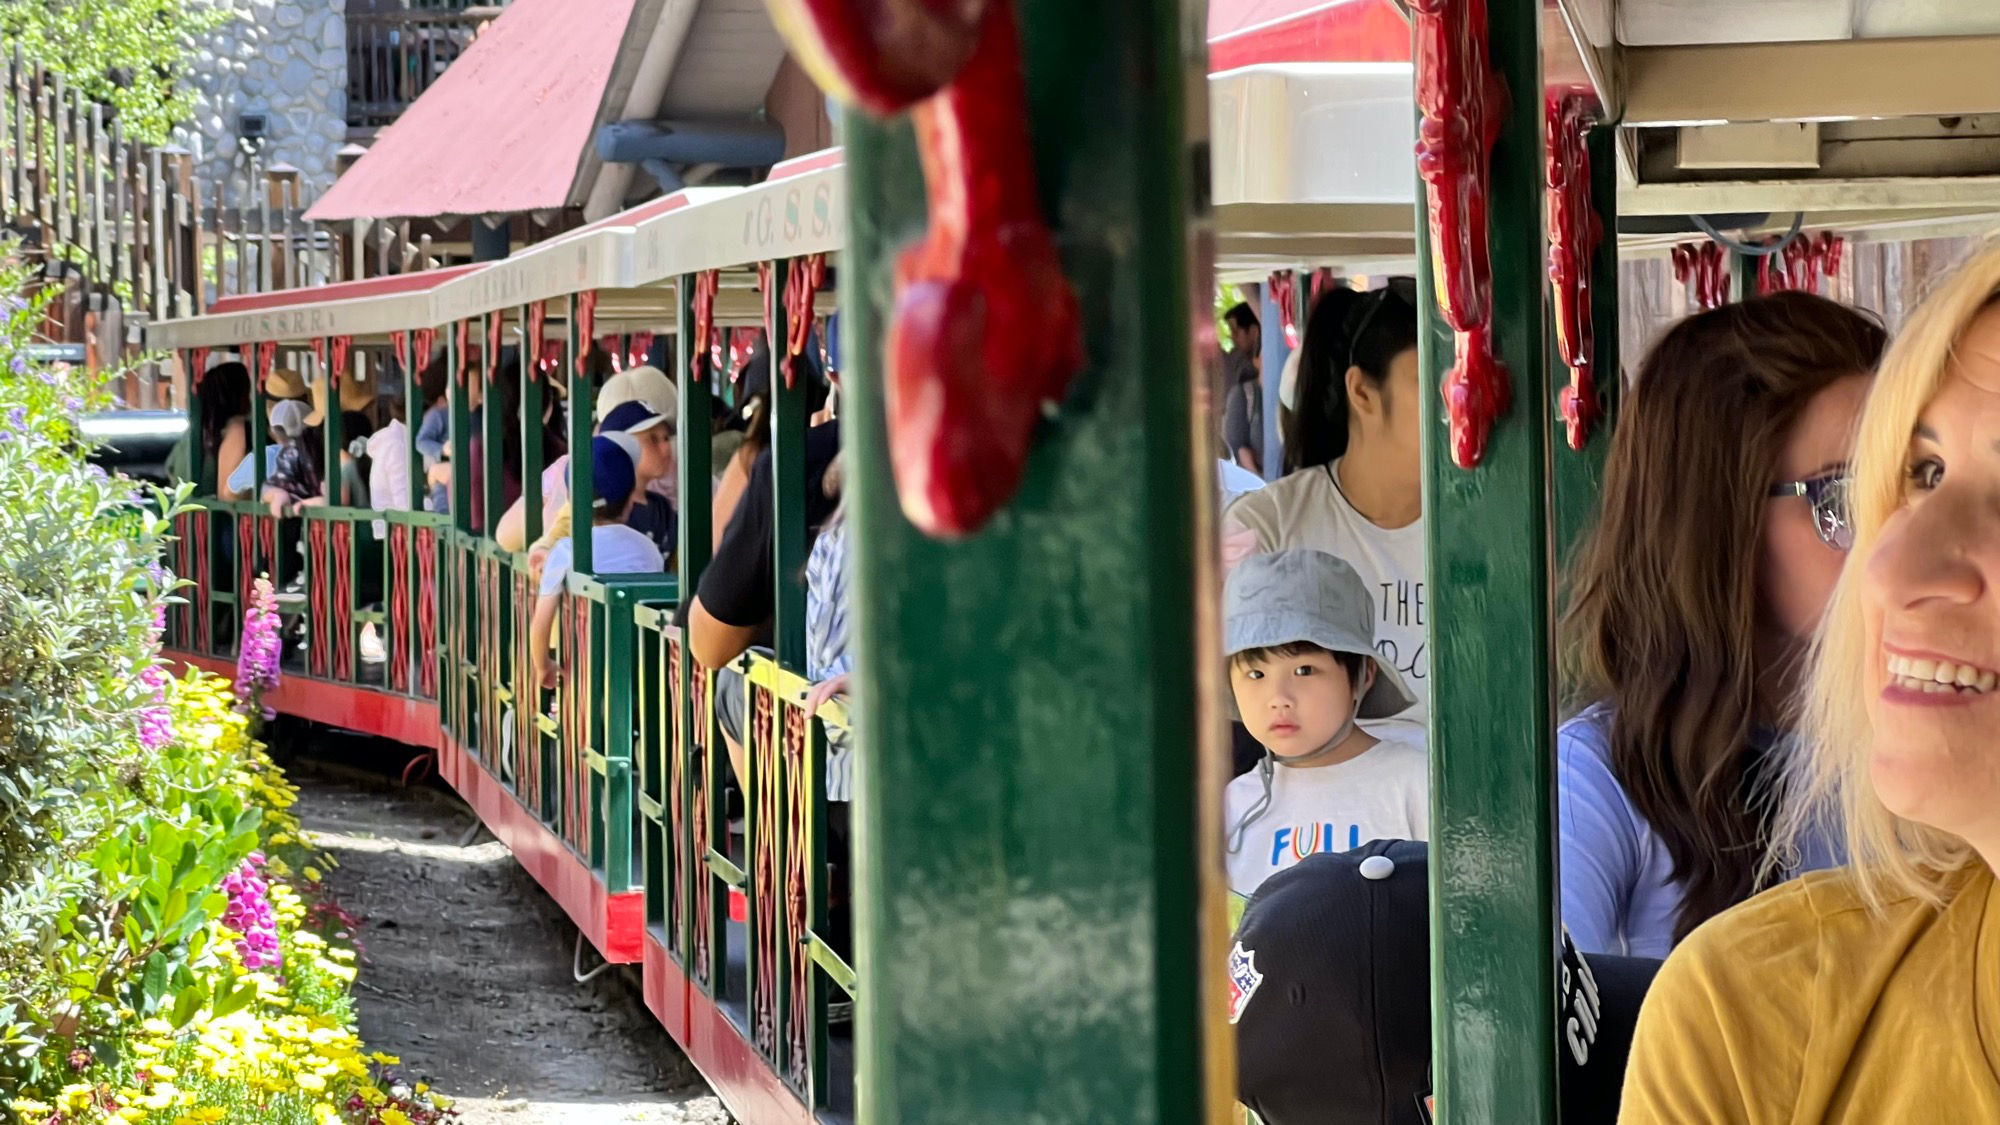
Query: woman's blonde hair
pixel 1830 787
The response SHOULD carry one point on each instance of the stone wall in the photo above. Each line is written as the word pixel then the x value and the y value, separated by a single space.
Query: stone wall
pixel 285 59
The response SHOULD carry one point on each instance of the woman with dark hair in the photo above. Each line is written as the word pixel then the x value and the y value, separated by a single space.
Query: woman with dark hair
pixel 1356 488
pixel 224 396
pixel 1691 604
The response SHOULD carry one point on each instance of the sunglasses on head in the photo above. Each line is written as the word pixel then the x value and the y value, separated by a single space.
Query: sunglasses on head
pixel 1826 493
pixel 1403 289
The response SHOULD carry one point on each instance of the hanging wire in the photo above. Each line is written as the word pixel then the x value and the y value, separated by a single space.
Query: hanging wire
pixel 1748 250
pixel 576 964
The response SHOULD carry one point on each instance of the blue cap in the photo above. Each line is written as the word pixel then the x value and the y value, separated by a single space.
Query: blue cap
pixel 631 418
pixel 611 474
pixel 833 342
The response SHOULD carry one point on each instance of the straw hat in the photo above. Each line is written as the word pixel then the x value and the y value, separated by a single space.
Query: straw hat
pixel 285 384
pixel 354 395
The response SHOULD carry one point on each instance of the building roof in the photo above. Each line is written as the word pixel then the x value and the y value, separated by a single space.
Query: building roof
pixel 507 128
pixel 1260 32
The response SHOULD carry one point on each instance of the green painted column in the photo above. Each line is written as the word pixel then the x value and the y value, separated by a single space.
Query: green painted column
pixel 414 409
pixel 492 435
pixel 336 438
pixel 531 432
pixel 1493 925
pixel 1577 476
pixel 1030 700
pixel 260 423
pixel 692 451
pixel 788 487
pixel 456 373
pixel 1742 276
pixel 582 400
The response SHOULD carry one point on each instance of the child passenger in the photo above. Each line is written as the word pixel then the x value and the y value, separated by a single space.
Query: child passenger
pixel 615 548
pixel 1298 633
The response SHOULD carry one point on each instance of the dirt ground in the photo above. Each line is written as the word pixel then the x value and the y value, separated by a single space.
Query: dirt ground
pixel 466 967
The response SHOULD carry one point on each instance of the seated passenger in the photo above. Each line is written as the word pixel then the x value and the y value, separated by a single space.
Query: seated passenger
pixel 294 481
pixel 649 389
pixel 1871 994
pixel 1691 604
pixel 1357 491
pixel 1297 630
pixel 615 548
pixel 1329 989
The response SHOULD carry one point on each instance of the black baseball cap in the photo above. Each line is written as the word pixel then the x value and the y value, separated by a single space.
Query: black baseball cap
pixel 1329 984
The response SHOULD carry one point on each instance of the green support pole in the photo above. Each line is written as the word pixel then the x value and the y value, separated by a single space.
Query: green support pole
pixel 198 468
pixel 260 423
pixel 1742 276
pixel 581 398
pixel 1578 475
pixel 461 433
pixel 1031 883
pixel 694 385
pixel 788 487
pixel 692 450
pixel 414 409
pixel 492 439
pixel 1493 926
pixel 531 434
pixel 336 440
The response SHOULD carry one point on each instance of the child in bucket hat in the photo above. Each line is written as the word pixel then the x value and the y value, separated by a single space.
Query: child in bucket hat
pixel 1298 631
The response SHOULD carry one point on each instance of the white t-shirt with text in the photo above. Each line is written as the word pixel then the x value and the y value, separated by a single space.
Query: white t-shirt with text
pixel 614 549
pixel 1307 509
pixel 1384 794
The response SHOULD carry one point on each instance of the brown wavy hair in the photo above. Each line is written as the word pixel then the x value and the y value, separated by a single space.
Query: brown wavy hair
pixel 1663 614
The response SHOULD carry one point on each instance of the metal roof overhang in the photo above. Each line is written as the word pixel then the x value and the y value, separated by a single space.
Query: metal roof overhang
pixel 366 311
pixel 1892 106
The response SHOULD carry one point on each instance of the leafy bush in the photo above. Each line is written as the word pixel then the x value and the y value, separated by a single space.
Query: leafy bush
pixel 79 599
pixel 126 54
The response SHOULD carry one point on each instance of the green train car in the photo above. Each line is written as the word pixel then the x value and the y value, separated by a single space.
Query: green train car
pixel 1040 918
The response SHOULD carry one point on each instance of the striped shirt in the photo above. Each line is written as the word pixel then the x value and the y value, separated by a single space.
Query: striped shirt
pixel 826 639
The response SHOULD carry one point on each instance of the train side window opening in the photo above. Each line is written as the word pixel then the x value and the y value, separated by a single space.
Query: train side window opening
pixel 1691 606
pixel 1358 406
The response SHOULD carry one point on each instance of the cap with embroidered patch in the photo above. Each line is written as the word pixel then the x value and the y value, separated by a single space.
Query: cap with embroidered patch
pixel 1329 983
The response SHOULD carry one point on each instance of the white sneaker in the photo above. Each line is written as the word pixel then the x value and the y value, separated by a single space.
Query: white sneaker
pixel 372 649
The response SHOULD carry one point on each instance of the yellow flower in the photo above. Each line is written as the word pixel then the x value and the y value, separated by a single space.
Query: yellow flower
pixel 312 1082
pixel 393 1116
pixel 313 875
pixel 324 1114
pixel 385 1060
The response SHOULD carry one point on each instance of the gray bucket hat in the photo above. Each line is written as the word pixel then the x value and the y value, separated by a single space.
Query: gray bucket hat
pixel 1303 595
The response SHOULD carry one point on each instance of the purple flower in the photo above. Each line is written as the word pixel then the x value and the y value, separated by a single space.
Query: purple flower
pixel 249 915
pixel 18 365
pixel 258 654
pixel 17 418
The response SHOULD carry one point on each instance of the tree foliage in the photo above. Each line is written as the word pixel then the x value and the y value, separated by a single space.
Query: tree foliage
pixel 129 55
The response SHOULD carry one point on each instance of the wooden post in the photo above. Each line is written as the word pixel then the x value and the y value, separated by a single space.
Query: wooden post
pixel 1013 722
pixel 1493 939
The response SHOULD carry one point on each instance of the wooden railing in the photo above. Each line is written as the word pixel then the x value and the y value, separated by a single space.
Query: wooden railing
pixel 132 234
pixel 394 55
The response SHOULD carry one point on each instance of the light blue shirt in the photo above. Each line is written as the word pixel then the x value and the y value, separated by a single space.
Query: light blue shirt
pixel 1618 891
pixel 614 549
pixel 1235 480
pixel 239 477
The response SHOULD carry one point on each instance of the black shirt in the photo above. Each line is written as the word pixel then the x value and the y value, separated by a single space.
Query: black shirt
pixel 739 587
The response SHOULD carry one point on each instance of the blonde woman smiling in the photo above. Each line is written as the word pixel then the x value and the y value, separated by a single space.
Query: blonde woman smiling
pixel 1872 993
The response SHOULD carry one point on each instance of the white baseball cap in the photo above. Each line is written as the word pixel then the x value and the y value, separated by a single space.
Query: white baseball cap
pixel 646 384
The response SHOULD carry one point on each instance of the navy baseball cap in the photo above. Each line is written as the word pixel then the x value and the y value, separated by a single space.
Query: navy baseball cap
pixel 1329 984
pixel 631 418
pixel 612 474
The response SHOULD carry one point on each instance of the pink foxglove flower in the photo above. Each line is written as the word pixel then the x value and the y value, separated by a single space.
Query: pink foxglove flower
pixel 156 723
pixel 259 651
pixel 250 917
